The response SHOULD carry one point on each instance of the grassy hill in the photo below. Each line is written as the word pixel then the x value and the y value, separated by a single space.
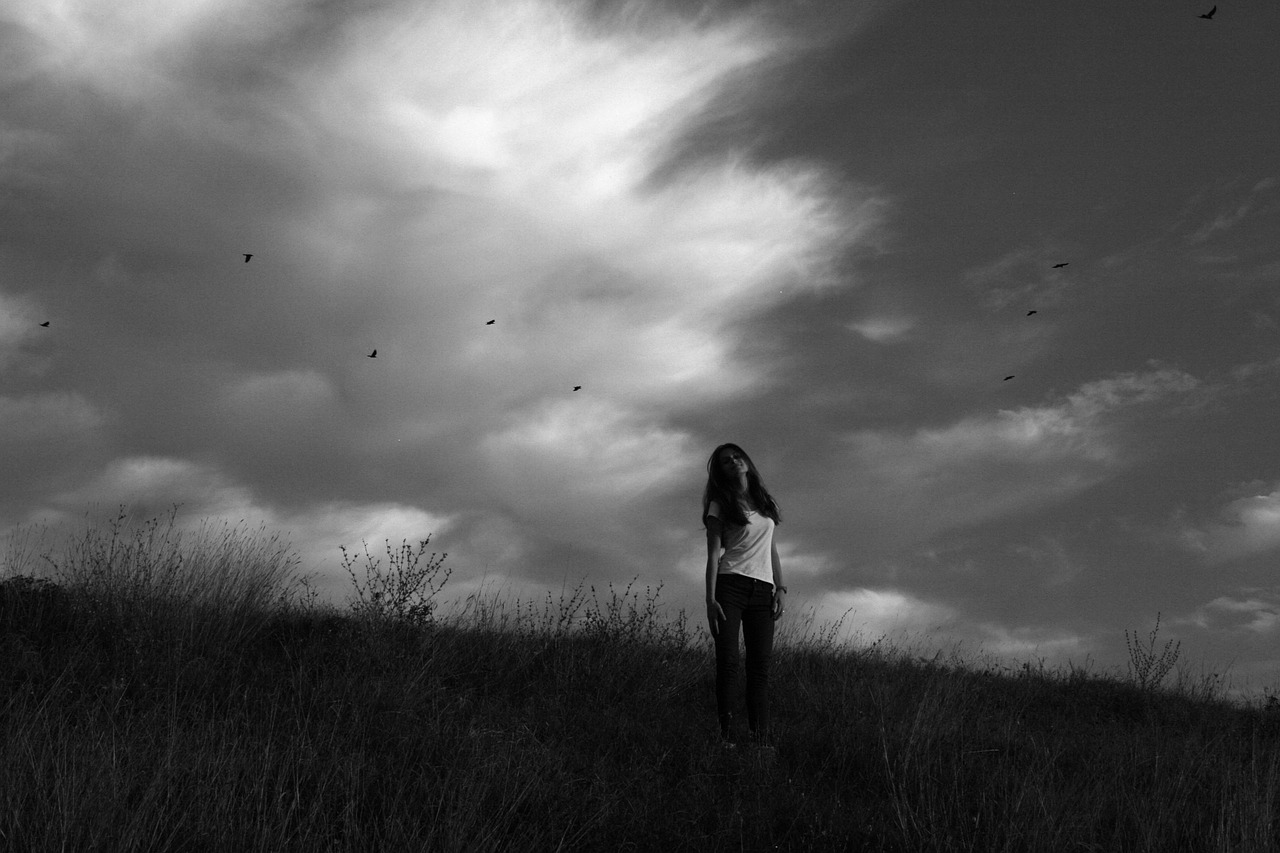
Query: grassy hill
pixel 167 693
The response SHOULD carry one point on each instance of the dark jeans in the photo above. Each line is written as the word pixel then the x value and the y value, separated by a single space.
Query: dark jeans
pixel 746 602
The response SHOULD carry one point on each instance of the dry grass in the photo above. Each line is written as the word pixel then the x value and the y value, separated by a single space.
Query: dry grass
pixel 166 692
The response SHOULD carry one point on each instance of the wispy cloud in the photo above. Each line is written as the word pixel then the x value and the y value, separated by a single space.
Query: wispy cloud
pixel 908 622
pixel 1258 614
pixel 1024 276
pixel 19 331
pixel 882 330
pixel 1228 206
pixel 1243 527
pixel 983 466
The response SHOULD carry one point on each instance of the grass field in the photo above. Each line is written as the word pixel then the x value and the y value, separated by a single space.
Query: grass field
pixel 166 691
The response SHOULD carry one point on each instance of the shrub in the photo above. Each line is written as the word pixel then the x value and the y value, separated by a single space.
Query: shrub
pixel 403 592
pixel 1146 668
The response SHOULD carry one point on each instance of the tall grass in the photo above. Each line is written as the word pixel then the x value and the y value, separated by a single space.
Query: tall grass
pixel 182 692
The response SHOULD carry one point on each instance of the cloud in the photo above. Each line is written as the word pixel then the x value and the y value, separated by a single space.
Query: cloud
pixel 47 418
pixel 1049 557
pixel 278 407
pixel 882 330
pixel 576 470
pixel 879 612
pixel 19 328
pixel 24 157
pixel 1245 526
pixel 49 439
pixel 1128 391
pixel 144 49
pixel 1022 276
pixel 913 623
pixel 986 466
pixel 148 487
pixel 1259 614
pixel 803 565
pixel 318 532
pixel 1231 204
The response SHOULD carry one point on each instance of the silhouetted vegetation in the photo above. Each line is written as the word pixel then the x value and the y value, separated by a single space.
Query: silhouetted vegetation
pixel 169 692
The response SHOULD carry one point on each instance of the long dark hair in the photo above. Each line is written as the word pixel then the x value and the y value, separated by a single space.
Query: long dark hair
pixel 720 490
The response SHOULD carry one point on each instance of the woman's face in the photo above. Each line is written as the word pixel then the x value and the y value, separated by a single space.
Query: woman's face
pixel 731 462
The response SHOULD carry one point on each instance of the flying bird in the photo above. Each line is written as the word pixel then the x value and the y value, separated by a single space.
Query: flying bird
pixel 1060 266
pixel 1208 16
pixel 576 387
pixel 1007 378
pixel 490 323
pixel 247 257
pixel 45 324
pixel 373 354
pixel 1032 311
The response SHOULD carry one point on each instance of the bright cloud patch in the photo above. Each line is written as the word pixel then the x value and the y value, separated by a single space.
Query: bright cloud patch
pixel 150 485
pixel 883 330
pixel 1256 615
pixel 1047 644
pixel 798 564
pixel 583 461
pixel 910 623
pixel 319 532
pixel 873 613
pixel 544 136
pixel 1247 526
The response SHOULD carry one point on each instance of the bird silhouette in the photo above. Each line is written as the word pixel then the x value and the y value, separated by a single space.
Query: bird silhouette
pixel 1060 266
pixel 45 324
pixel 1007 378
pixel 490 323
pixel 247 257
pixel 576 387
pixel 373 354
pixel 1208 16
pixel 1032 311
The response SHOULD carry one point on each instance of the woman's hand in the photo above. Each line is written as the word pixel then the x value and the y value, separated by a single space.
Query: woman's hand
pixel 715 615
pixel 779 604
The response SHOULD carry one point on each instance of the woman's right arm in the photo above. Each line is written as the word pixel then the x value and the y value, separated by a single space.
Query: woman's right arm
pixel 713 554
pixel 714 612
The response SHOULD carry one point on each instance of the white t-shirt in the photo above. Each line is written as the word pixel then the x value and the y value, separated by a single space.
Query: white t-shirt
pixel 747 550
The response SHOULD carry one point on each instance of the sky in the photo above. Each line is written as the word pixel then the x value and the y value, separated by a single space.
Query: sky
pixel 815 229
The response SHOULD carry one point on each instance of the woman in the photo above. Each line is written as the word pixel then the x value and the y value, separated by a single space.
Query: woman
pixel 744 585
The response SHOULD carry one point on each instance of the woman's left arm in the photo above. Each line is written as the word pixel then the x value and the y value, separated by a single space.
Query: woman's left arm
pixel 779 591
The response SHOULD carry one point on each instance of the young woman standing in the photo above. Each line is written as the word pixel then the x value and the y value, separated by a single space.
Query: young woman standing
pixel 744 583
